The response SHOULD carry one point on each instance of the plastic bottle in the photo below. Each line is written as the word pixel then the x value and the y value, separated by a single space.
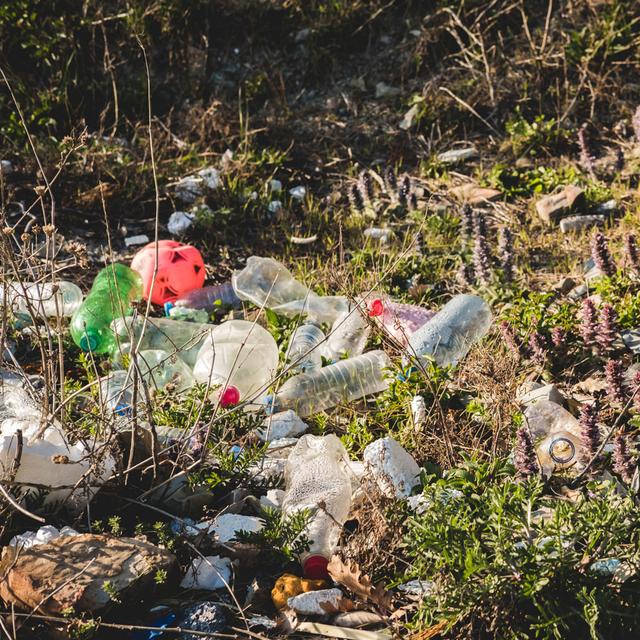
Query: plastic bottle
pixel 559 450
pixel 448 337
pixel 348 335
pixel 187 314
pixel 397 319
pixel 173 336
pixel 46 299
pixel 210 298
pixel 317 479
pixel 240 358
pixel 111 295
pixel 303 353
pixel 343 381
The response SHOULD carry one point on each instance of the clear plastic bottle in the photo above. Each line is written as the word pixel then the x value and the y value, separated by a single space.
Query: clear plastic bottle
pixel 111 296
pixel 317 479
pixel 187 314
pixel 348 335
pixel 303 353
pixel 397 319
pixel 447 338
pixel 240 358
pixel 173 336
pixel 559 450
pixel 46 299
pixel 343 381
pixel 210 298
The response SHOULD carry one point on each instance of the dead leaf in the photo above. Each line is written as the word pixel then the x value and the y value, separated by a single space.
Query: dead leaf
pixel 355 619
pixel 344 605
pixel 350 576
pixel 432 632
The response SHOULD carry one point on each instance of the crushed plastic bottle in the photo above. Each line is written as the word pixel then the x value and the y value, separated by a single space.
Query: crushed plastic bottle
pixel 348 336
pixel 45 299
pixel 240 358
pixel 449 336
pixel 210 298
pixel 184 314
pixel 267 283
pixel 173 336
pixel 317 479
pixel 161 368
pixel 303 353
pixel 111 295
pixel 344 381
pixel 399 320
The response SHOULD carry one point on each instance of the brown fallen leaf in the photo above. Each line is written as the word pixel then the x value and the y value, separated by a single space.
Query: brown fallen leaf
pixel 432 632
pixel 344 605
pixel 350 576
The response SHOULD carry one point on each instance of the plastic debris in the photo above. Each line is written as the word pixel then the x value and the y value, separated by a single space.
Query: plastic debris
pixel 135 241
pixel 394 470
pixel 537 392
pixel 310 603
pixel 274 206
pixel 275 186
pixel 282 425
pixel 303 352
pixel 42 536
pixel 190 188
pixel 184 314
pixel 417 587
pixel 378 233
pixel 418 411
pixel 455 156
pixel 227 526
pixel 383 90
pixel 43 299
pixel 210 573
pixel 180 222
pixel 298 193
pixel 211 298
pixel 6 167
pixel 288 586
pixel 273 499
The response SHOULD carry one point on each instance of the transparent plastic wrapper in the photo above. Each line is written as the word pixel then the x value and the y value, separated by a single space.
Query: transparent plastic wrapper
pixel 556 435
pixel 348 336
pixel 399 320
pixel 62 472
pixel 114 290
pixel 304 353
pixel 46 299
pixel 173 336
pixel 344 381
pixel 210 298
pixel 267 283
pixel 317 479
pixel 240 358
pixel 449 336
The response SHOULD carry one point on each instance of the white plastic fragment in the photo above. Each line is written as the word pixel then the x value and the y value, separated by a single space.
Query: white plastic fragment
pixel 418 411
pixel 381 234
pixel 274 206
pixel 134 241
pixel 211 573
pixel 453 156
pixel 273 499
pixel 179 222
pixel 300 240
pixel 275 186
pixel 541 392
pixel 227 526
pixel 6 167
pixel 210 178
pixel 309 604
pixel 284 424
pixel 41 536
pixel 417 587
pixel 392 467
pixel 383 90
pixel 188 189
pixel 298 193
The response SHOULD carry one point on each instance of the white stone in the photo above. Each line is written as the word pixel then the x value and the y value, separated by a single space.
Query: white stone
pixel 309 604
pixel 227 526
pixel 210 178
pixel 179 222
pixel 577 223
pixel 210 573
pixel 378 233
pixel 284 424
pixel 392 467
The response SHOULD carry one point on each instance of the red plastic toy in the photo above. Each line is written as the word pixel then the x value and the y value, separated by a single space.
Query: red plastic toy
pixel 180 269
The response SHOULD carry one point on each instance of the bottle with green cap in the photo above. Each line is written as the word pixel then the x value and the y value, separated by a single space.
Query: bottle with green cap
pixel 114 289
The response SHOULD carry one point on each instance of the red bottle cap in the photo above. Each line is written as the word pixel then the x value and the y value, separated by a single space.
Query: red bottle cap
pixel 315 568
pixel 376 308
pixel 229 397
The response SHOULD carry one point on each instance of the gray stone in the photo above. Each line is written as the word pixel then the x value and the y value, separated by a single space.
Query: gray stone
pixel 204 616
pixel 578 223
pixel 553 207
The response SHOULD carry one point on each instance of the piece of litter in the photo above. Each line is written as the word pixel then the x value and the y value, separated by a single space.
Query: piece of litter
pixel 298 193
pixel 179 222
pixel 228 525
pixel 284 424
pixel 135 241
pixel 454 156
pixel 392 467
pixel 274 206
pixel 211 573
pixel 331 631
pixel 275 186
pixel 309 603
pixel 298 240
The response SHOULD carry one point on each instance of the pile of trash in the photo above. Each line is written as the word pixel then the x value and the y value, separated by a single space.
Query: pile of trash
pixel 239 363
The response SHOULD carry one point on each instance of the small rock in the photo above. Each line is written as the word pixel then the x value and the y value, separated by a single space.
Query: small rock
pixel 284 424
pixel 631 339
pixel 210 178
pixel 70 572
pixel 544 392
pixel 455 156
pixel 204 616
pixel 210 573
pixel 188 189
pixel 357 619
pixel 136 241
pixel 565 285
pixel 473 194
pixel 559 205
pixel 392 467
pixel 383 90
pixel 227 526
pixel 578 292
pixel 309 604
pixel 298 193
pixel 578 223
pixel 179 222
pixel 607 208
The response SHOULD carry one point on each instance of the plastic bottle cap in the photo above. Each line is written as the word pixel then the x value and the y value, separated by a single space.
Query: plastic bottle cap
pixel 315 567
pixel 229 397
pixel 376 308
pixel 89 342
pixel 167 307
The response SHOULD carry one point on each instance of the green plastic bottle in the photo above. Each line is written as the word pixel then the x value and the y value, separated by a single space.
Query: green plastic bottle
pixel 111 295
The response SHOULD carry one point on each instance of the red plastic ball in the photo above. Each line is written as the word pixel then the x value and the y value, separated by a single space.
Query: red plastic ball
pixel 180 269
